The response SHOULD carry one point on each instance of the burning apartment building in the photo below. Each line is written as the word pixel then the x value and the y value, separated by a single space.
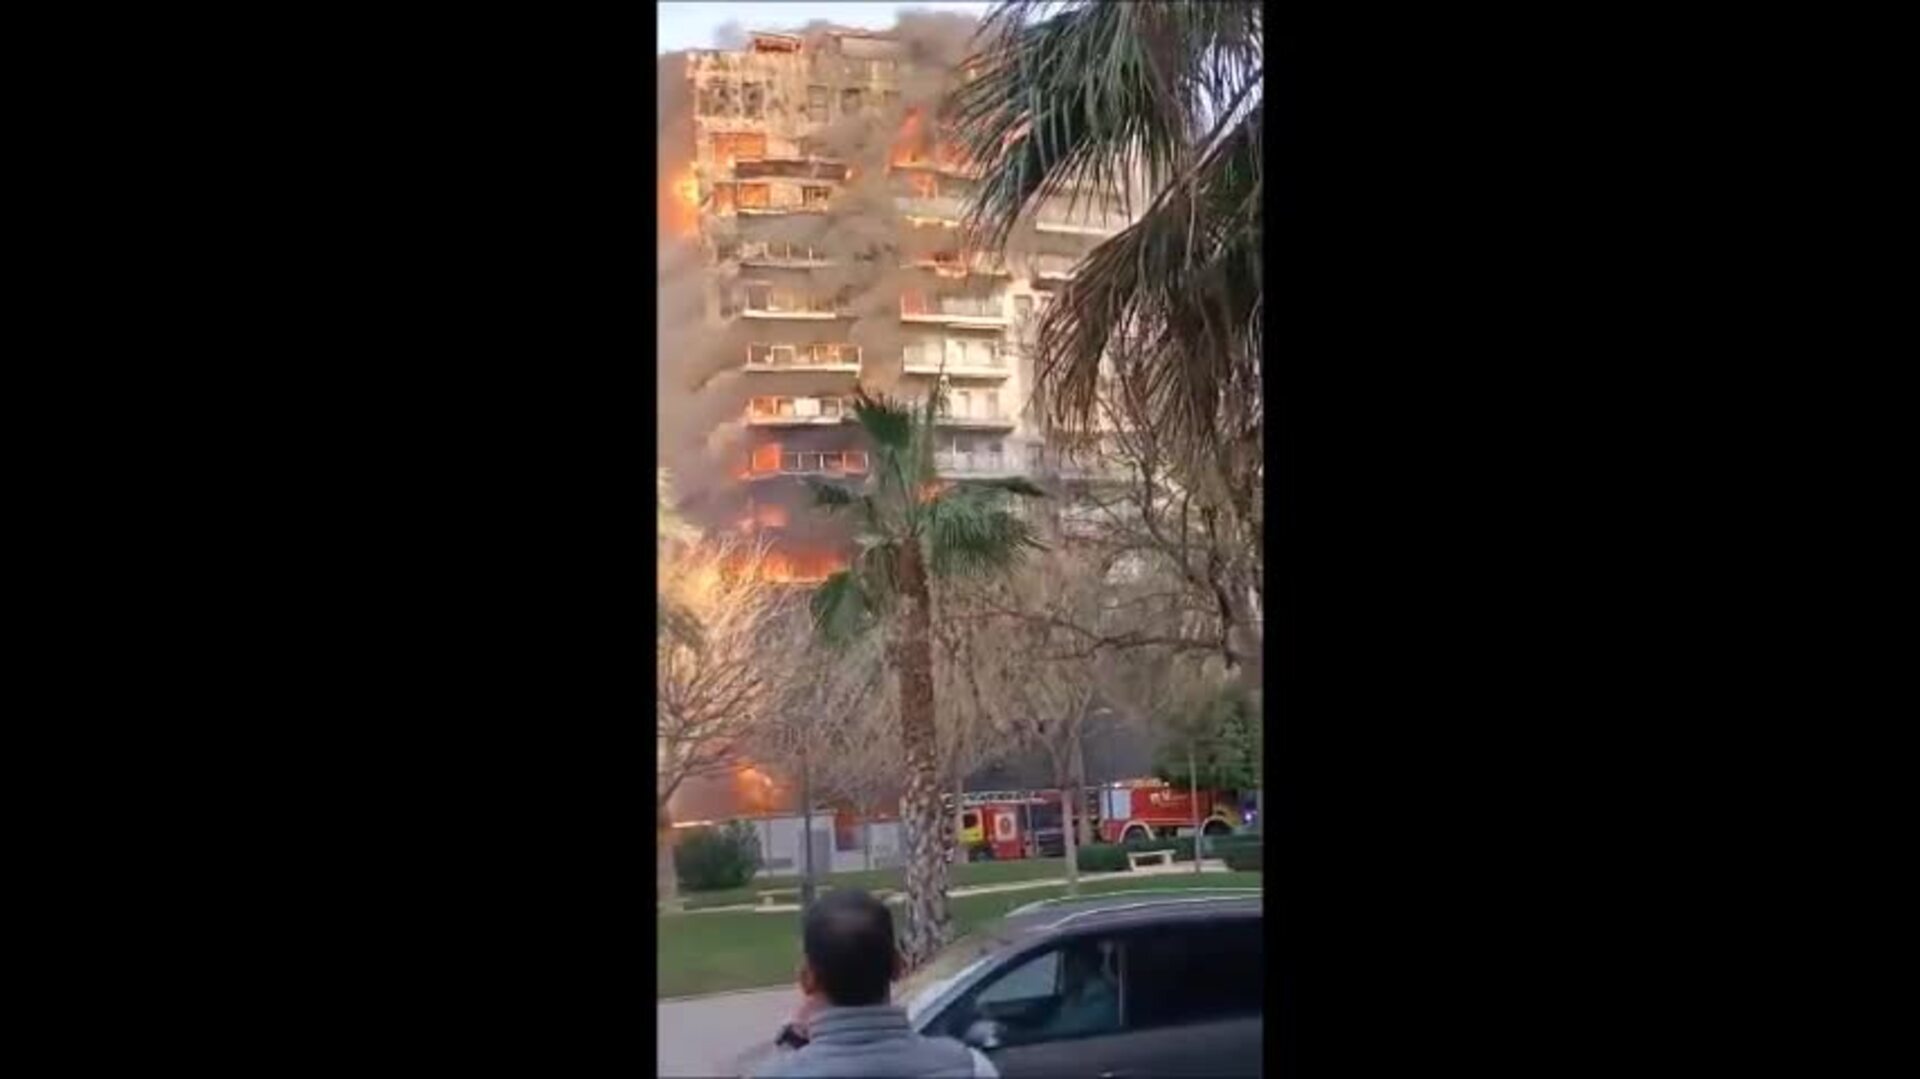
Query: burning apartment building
pixel 818 210
pixel 811 242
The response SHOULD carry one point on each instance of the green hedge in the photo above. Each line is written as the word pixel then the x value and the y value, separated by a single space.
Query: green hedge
pixel 715 859
pixel 1102 858
pixel 1244 859
pixel 1182 847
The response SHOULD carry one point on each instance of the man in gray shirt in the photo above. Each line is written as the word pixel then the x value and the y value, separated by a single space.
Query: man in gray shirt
pixel 850 1028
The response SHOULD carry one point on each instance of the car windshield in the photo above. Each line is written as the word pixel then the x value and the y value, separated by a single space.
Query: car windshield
pixel 925 985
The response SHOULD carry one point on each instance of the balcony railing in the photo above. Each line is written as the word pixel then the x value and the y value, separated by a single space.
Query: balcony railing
pixel 798 411
pixel 827 463
pixel 958 310
pixel 979 412
pixel 967 463
pixel 828 358
pixel 965 365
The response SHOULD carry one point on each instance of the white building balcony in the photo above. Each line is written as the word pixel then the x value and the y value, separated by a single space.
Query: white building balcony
pixel 976 465
pixel 973 369
pixel 954 311
pixel 827 359
pixel 798 411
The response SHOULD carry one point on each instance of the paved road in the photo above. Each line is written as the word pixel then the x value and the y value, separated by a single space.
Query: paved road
pixel 710 1035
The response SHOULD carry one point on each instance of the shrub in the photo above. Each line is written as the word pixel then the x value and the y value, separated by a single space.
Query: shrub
pixel 1182 847
pixel 710 859
pixel 1244 859
pixel 1101 858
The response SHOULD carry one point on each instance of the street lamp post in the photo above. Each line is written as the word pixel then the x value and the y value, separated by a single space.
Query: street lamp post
pixel 806 831
pixel 1193 796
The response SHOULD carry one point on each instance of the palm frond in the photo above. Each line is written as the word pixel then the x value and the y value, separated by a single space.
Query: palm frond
pixel 887 423
pixel 1104 97
pixel 840 609
pixel 1174 300
pixel 971 532
pixel 1093 97
pixel 831 496
pixel 1018 485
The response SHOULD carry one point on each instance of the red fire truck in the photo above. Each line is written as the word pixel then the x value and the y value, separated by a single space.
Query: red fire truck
pixel 1004 825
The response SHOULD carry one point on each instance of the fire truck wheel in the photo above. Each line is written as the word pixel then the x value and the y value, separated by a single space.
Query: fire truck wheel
pixel 1216 826
pixel 1135 831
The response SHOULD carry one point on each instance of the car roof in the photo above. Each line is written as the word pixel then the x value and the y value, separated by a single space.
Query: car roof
pixel 1125 910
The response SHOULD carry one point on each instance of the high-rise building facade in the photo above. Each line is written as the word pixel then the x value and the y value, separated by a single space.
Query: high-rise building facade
pixel 829 212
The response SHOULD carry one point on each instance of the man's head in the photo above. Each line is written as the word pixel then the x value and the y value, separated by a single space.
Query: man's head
pixel 851 960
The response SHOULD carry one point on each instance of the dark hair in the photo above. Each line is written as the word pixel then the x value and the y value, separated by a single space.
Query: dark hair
pixel 848 937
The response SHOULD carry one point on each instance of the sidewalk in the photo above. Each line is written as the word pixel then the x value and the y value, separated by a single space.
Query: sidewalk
pixel 1209 865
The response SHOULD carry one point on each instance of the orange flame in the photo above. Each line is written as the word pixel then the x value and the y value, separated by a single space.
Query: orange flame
pixel 682 214
pixel 910 145
pixel 794 567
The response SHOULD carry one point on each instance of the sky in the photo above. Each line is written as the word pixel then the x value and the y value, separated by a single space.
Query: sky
pixel 691 25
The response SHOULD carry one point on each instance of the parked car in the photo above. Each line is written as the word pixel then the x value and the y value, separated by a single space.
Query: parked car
pixel 1125 984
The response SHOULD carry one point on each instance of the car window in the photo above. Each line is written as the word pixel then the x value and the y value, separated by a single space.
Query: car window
pixel 1196 973
pixel 1068 991
pixel 1037 977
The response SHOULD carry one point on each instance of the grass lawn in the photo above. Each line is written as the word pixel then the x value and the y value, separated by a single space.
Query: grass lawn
pixel 711 953
pixel 893 880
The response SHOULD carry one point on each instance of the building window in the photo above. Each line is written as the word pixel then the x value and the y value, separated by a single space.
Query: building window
pixel 729 147
pixel 753 100
pixel 752 196
pixel 759 298
pixel 780 354
pixel 852 101
pixel 766 458
pixel 757 354
pixel 817 104
pixel 722 198
pixel 814 197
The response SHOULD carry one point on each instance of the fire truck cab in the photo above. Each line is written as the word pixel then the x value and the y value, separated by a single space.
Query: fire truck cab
pixel 1006 825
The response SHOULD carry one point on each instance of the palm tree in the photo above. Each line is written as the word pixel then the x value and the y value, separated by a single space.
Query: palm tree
pixel 1113 100
pixel 914 527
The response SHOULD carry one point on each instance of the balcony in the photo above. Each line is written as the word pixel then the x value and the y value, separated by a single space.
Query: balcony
pixel 838 463
pixel 936 208
pixel 789 168
pixel 798 411
pixel 952 266
pixel 982 465
pixel 953 311
pixel 765 303
pixel 971 364
pixel 968 410
pixel 781 255
pixel 828 359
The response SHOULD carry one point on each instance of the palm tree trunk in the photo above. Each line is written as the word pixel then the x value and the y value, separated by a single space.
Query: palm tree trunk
pixel 927 916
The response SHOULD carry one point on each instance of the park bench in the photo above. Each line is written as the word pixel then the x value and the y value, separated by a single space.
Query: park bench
pixel 1135 859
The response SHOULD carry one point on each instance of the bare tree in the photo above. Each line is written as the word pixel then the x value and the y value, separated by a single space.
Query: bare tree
pixel 711 688
pixel 1033 683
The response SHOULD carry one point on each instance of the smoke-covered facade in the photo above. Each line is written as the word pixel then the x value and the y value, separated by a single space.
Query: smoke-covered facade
pixel 812 242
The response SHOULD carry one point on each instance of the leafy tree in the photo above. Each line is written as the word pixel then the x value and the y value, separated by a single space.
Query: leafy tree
pixel 1223 731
